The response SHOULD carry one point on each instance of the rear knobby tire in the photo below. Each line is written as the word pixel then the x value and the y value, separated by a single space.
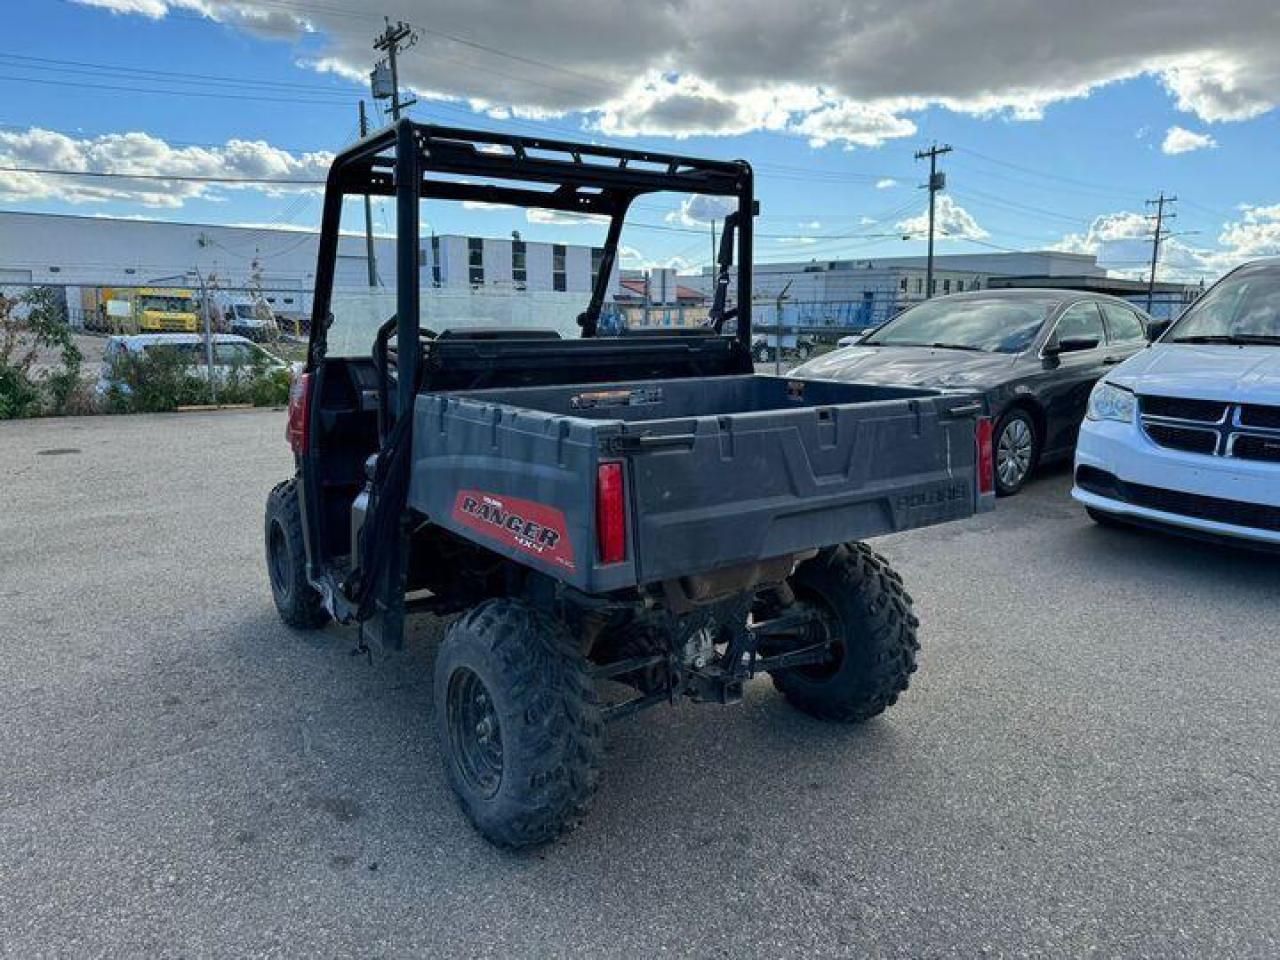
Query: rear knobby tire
pixel 298 602
pixel 868 614
pixel 533 776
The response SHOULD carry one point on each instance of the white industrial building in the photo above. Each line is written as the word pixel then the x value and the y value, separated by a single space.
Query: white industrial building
pixel 858 292
pixel 78 252
pixel 854 279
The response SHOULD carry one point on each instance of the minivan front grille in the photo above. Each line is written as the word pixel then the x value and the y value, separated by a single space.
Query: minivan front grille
pixel 1248 447
pixel 1192 439
pixel 1183 408
pixel 1212 428
pixel 1255 415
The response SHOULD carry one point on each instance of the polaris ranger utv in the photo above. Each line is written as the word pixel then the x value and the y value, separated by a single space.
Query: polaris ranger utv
pixel 620 521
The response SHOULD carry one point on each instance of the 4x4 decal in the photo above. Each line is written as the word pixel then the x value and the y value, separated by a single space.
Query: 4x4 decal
pixel 533 528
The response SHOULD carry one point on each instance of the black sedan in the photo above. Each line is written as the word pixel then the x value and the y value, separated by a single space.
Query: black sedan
pixel 1036 354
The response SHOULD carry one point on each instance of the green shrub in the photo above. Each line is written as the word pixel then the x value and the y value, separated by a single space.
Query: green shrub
pixel 160 380
pixel 29 324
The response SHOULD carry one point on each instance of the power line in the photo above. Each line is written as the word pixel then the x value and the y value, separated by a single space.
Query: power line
pixel 179 177
pixel 204 94
pixel 91 68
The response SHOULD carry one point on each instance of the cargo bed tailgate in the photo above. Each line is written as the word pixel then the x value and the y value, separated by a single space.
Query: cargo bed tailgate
pixel 714 491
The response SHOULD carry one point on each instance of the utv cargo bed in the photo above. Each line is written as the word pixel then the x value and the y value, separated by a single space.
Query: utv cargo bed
pixel 714 473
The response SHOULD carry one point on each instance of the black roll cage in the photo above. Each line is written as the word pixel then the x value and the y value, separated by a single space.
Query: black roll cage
pixel 415 161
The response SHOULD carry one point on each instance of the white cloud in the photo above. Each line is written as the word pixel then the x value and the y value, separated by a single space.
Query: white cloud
pixel 853 124
pixel 1256 234
pixel 147 156
pixel 843 72
pixel 1182 140
pixel 563 218
pixel 155 9
pixel 697 210
pixel 634 259
pixel 951 222
pixel 1122 242
pixel 886 183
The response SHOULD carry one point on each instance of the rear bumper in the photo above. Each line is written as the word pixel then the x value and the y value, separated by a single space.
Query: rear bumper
pixel 1120 472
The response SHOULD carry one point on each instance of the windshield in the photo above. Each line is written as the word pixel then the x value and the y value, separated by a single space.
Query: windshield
pixel 192 353
pixel 990 324
pixel 168 304
pixel 357 314
pixel 244 311
pixel 1243 308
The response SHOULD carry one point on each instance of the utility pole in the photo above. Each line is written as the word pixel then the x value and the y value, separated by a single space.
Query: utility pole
pixel 368 214
pixel 1157 235
pixel 391 41
pixel 777 336
pixel 937 181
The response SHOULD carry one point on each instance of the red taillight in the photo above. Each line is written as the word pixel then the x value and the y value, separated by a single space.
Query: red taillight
pixel 986 457
pixel 298 430
pixel 611 513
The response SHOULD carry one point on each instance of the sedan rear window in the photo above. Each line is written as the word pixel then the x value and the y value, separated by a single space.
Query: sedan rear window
pixel 989 324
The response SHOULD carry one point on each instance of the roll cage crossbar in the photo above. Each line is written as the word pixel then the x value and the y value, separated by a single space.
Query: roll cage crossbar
pixel 414 162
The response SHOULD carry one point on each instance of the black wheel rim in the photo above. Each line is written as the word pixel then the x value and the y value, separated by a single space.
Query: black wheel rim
pixel 474 732
pixel 1013 453
pixel 278 558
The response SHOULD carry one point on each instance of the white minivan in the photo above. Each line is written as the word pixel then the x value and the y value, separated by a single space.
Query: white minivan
pixel 1185 435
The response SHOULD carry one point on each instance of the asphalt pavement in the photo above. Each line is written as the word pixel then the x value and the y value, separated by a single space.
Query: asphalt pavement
pixel 1087 763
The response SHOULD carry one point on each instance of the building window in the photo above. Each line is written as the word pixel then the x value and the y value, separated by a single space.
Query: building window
pixel 475 260
pixel 946 286
pixel 557 267
pixel 435 260
pixel 519 263
pixel 902 284
pixel 919 285
pixel 933 287
pixel 597 257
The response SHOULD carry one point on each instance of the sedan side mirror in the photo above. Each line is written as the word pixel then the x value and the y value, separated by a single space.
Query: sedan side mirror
pixel 1156 329
pixel 1071 345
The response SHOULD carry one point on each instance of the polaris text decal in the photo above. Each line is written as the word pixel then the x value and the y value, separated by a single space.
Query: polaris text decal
pixel 531 527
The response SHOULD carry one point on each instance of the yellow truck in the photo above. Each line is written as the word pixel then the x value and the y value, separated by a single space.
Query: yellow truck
pixel 163 310
pixel 151 310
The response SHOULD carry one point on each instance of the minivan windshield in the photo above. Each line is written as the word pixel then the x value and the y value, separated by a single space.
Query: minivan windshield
pixel 989 324
pixel 1243 308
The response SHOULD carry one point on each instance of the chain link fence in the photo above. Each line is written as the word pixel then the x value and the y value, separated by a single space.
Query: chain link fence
pixel 276 315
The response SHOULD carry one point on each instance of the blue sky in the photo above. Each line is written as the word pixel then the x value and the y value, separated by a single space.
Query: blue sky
pixel 1074 175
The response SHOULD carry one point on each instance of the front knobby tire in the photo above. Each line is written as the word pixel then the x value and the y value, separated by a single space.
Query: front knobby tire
pixel 866 613
pixel 519 727
pixel 297 601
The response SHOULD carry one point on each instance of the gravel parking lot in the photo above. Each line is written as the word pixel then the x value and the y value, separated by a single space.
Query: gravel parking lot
pixel 1088 762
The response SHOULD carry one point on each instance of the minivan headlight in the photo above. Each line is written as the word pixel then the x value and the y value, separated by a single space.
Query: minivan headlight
pixel 1109 402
